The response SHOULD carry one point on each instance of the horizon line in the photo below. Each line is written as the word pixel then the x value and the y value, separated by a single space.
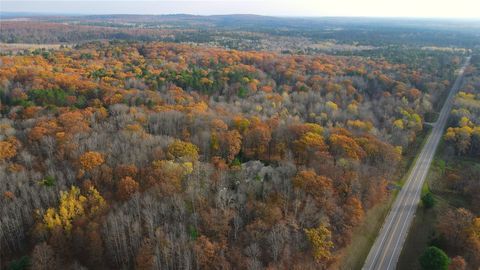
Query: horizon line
pixel 67 14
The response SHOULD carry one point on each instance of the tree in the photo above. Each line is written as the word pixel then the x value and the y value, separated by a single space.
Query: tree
pixel 434 259
pixel 7 150
pixel 320 240
pixel 90 160
pixel 344 146
pixel 318 186
pixel 256 140
pixel 124 170
pixel 182 150
pixel 428 200
pixel 310 146
pixel 354 210
pixel 473 242
pixel 43 257
pixel 205 252
pixel 453 225
pixel 126 188
pixel 73 122
pixel 227 144
pixel 169 174
pixel 73 205
pixel 458 263
pixel 461 137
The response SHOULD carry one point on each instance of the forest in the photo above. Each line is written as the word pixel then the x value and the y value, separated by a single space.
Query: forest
pixel 226 142
pixel 152 155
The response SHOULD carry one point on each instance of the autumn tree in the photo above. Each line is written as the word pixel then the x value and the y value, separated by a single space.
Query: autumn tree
pixel 205 252
pixel 226 144
pixel 125 170
pixel 461 136
pixel 256 140
pixel 126 188
pixel 458 263
pixel 318 186
pixel 343 146
pixel 182 150
pixel 320 241
pixel 453 226
pixel 169 174
pixel 7 150
pixel 310 146
pixel 72 205
pixel 91 160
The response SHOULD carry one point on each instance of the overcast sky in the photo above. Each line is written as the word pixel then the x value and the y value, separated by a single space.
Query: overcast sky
pixel 368 8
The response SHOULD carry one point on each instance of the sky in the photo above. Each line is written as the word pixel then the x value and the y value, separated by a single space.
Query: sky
pixel 466 9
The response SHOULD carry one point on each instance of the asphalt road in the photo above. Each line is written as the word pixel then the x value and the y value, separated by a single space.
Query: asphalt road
pixel 386 250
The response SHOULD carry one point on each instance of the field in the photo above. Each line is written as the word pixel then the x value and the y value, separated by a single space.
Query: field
pixel 16 47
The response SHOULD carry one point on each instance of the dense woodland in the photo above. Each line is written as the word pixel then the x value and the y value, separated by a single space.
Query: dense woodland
pixel 151 155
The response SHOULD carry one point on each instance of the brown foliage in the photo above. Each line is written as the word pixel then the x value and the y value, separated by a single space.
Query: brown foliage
pixel 126 188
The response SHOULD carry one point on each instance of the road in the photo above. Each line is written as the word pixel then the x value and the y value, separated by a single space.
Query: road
pixel 386 250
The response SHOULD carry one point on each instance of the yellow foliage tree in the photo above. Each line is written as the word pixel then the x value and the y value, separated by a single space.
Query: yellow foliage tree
pixel 320 239
pixel 95 201
pixel 461 136
pixel 72 205
pixel 332 106
pixel 310 145
pixel 182 150
pixel 398 124
pixel 360 125
pixel 314 128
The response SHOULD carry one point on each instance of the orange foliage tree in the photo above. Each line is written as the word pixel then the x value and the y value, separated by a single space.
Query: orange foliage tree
pixel 91 160
pixel 7 149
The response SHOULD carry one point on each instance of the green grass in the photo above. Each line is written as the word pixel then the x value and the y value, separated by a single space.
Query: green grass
pixel 363 237
pixel 425 188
